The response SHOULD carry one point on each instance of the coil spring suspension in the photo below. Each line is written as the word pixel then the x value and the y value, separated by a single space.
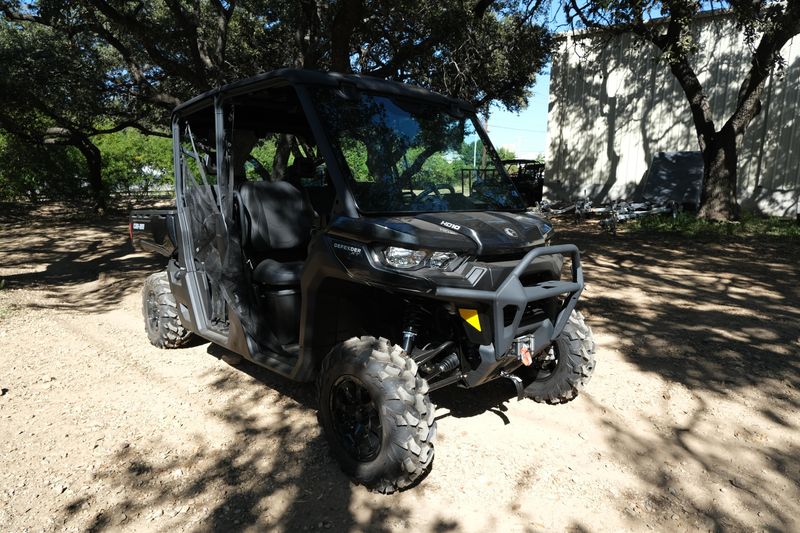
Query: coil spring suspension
pixel 412 320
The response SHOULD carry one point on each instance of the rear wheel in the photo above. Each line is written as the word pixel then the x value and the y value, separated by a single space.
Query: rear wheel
pixel 563 371
pixel 161 321
pixel 376 414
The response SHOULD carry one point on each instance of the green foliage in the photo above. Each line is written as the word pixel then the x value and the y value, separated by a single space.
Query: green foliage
pixel 171 50
pixel 446 47
pixel 262 160
pixel 438 167
pixel 71 71
pixel 690 225
pixel 506 153
pixel 355 154
pixel 476 148
pixel 56 89
pixel 36 172
pixel 134 162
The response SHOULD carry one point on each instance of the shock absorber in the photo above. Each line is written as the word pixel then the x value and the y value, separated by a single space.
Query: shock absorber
pixel 412 319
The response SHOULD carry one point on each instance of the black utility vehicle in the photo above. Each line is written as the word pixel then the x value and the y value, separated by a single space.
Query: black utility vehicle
pixel 321 231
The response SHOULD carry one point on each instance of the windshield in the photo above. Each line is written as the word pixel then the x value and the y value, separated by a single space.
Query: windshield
pixel 407 156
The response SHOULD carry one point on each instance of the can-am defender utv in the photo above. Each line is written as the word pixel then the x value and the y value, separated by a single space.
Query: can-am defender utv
pixel 320 231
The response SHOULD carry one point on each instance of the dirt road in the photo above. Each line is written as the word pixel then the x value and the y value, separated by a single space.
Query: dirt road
pixel 690 422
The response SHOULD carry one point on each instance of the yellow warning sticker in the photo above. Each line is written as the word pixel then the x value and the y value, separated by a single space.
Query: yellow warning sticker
pixel 471 317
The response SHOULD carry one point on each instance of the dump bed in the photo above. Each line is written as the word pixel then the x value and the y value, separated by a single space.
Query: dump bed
pixel 154 230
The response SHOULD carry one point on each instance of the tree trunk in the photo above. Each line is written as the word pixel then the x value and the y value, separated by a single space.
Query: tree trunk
pixel 720 158
pixel 94 165
pixel 282 152
pixel 344 24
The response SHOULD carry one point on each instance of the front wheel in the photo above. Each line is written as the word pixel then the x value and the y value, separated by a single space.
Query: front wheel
pixel 563 371
pixel 376 414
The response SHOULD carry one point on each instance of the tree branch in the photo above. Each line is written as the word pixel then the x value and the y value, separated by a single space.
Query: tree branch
pixel 402 55
pixel 763 61
pixel 342 28
pixel 18 16
pixel 129 124
pixel 144 34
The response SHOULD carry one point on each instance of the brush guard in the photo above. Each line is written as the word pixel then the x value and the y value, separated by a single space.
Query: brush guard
pixel 513 293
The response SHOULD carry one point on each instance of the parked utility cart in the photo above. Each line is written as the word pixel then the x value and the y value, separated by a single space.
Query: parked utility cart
pixel 316 234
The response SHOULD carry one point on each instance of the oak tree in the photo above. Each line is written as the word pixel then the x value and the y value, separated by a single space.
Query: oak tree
pixel 767 26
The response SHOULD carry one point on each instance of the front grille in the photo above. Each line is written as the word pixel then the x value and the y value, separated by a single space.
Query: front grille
pixel 500 258
pixel 533 313
pixel 529 279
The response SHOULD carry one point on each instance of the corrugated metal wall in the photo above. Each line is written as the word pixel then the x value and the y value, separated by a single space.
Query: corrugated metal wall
pixel 613 106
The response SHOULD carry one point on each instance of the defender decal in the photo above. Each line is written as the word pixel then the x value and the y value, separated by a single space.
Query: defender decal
pixel 352 250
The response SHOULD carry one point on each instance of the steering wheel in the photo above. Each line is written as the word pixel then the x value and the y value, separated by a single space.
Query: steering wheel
pixel 434 189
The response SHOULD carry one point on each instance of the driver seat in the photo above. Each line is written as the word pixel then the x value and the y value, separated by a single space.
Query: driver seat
pixel 275 220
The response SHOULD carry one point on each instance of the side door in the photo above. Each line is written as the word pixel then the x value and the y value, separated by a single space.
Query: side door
pixel 203 229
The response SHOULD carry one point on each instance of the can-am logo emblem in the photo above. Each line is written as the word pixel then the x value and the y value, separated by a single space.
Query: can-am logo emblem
pixel 511 233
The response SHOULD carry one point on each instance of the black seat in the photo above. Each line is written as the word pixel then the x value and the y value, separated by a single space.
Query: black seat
pixel 275 220
pixel 271 272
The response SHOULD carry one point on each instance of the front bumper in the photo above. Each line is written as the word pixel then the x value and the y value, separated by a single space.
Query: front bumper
pixel 512 292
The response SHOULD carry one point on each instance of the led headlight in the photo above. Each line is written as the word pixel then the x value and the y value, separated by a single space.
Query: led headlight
pixel 441 259
pixel 403 257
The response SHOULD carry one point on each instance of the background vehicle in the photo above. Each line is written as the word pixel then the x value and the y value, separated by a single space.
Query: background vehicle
pixel 319 232
pixel 528 177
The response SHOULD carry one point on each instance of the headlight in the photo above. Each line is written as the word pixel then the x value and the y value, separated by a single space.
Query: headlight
pixel 403 257
pixel 441 259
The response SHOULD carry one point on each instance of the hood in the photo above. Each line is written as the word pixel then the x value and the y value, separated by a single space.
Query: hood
pixel 495 233
pixel 479 232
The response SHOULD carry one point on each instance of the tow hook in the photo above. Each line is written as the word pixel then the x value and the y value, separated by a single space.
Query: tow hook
pixel 516 381
pixel 523 349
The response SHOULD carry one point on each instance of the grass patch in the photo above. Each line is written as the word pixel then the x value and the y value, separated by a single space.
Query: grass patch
pixel 689 225
pixel 6 310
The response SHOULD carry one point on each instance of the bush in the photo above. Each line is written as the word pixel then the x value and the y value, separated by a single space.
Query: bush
pixel 134 163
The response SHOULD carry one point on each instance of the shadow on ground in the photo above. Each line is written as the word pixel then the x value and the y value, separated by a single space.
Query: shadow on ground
pixel 59 251
pixel 277 474
pixel 719 319
pixel 715 316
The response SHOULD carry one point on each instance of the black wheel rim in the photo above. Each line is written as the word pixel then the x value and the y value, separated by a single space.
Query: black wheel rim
pixel 356 418
pixel 152 311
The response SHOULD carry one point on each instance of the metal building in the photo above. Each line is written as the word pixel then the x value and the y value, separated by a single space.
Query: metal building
pixel 614 105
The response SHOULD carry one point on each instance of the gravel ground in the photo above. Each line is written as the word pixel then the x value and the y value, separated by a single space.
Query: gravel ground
pixel 689 424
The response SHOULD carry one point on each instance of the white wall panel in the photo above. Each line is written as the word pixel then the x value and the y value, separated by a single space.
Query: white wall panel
pixel 614 105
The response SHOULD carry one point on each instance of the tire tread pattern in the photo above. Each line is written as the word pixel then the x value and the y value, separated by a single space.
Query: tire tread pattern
pixel 406 408
pixel 170 333
pixel 579 361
